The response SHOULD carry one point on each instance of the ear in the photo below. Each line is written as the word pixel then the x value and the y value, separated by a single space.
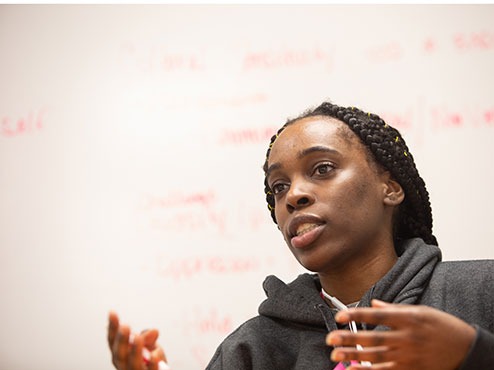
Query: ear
pixel 392 191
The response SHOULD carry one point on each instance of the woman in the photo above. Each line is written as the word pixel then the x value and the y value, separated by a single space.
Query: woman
pixel 346 195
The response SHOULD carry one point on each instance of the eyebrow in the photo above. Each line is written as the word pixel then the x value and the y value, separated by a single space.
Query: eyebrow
pixel 302 154
pixel 317 148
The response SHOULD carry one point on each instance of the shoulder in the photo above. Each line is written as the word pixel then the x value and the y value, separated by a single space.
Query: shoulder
pixel 270 343
pixel 254 344
pixel 464 289
pixel 236 350
pixel 463 272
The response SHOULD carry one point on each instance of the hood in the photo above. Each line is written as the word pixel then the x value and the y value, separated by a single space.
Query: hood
pixel 300 301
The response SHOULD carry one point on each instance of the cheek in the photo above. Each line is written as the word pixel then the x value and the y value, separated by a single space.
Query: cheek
pixel 362 192
pixel 280 217
pixel 358 196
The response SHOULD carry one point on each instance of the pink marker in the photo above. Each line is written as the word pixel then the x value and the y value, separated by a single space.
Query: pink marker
pixel 146 356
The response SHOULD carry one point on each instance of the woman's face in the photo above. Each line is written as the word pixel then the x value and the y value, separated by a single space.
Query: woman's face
pixel 329 197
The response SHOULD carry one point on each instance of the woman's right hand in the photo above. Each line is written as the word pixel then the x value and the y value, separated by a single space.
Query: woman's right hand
pixel 127 348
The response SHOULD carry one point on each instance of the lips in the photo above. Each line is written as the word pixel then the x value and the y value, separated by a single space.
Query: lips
pixel 303 230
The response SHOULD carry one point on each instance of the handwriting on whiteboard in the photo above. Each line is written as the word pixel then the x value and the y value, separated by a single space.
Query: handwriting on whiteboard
pixel 15 125
pixel 185 213
pixel 199 321
pixel 194 266
pixel 285 58
pixel 205 326
pixel 440 116
pixel 399 120
pixel 449 118
pixel 179 198
pixel 159 58
pixel 431 45
pixel 482 40
pixel 388 51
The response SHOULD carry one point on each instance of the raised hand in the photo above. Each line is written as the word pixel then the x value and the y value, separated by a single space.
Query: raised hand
pixel 420 337
pixel 128 348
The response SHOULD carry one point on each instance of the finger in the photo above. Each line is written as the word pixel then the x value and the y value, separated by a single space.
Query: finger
pixel 135 359
pixel 393 316
pixel 365 338
pixel 120 349
pixel 158 354
pixel 153 364
pixel 379 304
pixel 375 355
pixel 150 336
pixel 113 323
pixel 381 366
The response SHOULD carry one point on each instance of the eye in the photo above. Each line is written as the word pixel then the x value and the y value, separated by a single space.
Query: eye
pixel 323 168
pixel 278 188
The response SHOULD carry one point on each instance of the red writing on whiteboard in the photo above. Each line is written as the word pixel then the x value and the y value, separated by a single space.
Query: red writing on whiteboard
pixel 186 213
pixel 387 52
pixel 247 135
pixel 430 45
pixel 191 221
pixel 188 267
pixel 443 118
pixel 474 41
pixel 178 198
pixel 398 120
pixel 157 58
pixel 17 125
pixel 198 322
pixel 489 116
pixel 284 58
pixel 446 118
pixel 219 221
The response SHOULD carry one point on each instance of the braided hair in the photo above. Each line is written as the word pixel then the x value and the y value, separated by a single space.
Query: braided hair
pixel 388 149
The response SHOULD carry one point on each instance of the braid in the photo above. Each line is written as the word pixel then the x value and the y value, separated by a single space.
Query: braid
pixel 388 148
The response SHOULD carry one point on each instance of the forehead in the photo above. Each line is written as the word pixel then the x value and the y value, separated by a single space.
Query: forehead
pixel 314 131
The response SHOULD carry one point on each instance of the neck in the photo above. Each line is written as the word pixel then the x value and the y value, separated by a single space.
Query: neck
pixel 350 282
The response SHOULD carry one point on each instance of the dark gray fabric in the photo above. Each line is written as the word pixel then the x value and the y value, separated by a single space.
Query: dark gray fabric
pixel 466 289
pixel 293 321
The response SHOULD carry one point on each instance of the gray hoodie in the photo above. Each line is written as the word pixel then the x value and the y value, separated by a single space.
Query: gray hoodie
pixel 293 321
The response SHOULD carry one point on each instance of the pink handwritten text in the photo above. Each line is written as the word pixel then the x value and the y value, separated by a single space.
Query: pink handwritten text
pixel 188 267
pixel 474 41
pixel 32 121
pixel 387 52
pixel 178 199
pixel 283 59
pixel 158 58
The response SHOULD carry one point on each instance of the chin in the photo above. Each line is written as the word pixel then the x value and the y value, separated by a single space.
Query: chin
pixel 318 258
pixel 310 263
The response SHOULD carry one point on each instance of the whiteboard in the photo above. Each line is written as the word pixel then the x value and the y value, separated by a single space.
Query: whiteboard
pixel 131 145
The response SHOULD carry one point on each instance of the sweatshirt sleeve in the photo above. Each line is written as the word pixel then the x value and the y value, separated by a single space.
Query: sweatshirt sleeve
pixel 481 353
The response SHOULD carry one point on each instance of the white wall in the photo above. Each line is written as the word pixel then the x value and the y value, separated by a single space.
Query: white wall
pixel 131 142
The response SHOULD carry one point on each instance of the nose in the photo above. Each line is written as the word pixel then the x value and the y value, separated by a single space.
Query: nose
pixel 299 196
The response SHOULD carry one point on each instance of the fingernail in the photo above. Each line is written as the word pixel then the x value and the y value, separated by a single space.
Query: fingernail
pixel 337 356
pixel 333 339
pixel 377 302
pixel 342 316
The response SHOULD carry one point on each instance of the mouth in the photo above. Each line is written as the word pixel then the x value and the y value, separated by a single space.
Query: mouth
pixel 304 230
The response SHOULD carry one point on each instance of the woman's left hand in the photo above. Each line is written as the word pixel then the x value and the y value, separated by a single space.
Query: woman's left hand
pixel 420 337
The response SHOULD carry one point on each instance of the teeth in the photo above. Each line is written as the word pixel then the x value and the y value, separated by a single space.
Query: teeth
pixel 304 228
